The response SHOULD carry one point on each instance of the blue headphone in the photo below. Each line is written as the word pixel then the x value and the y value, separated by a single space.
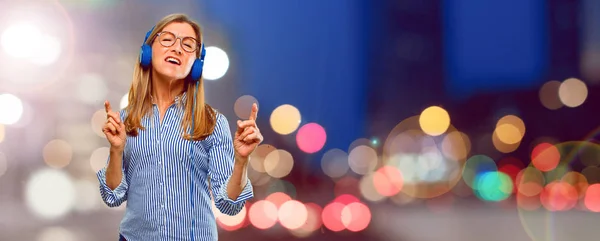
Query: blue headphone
pixel 146 58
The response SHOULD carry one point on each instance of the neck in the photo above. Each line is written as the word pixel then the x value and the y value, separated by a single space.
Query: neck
pixel 165 90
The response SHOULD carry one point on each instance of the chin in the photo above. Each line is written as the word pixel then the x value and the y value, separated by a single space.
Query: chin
pixel 170 74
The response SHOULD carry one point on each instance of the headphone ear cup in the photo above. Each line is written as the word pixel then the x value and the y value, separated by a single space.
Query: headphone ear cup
pixel 196 71
pixel 146 56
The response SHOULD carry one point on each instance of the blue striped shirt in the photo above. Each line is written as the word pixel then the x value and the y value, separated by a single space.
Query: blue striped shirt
pixel 157 180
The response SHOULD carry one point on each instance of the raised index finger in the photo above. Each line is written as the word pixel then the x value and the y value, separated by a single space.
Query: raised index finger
pixel 254 112
pixel 107 107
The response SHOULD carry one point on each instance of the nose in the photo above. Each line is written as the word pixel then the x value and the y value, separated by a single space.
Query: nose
pixel 177 47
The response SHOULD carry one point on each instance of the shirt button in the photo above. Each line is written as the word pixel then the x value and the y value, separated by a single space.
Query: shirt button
pixel 162 205
pixel 161 184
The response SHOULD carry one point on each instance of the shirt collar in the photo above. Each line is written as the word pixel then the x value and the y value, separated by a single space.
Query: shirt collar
pixel 179 99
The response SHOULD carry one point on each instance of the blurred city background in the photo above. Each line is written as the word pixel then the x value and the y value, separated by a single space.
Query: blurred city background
pixel 392 120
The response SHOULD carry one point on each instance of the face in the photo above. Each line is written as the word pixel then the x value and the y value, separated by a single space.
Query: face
pixel 174 62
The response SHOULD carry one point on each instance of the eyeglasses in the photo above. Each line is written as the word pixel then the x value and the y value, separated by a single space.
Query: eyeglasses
pixel 168 39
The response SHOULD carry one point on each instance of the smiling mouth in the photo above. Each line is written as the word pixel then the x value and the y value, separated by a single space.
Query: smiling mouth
pixel 173 60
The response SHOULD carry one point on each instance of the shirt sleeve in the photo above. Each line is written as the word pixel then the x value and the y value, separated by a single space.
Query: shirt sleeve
pixel 113 198
pixel 221 161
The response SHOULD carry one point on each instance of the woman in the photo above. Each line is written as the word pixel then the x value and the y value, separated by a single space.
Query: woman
pixel 169 151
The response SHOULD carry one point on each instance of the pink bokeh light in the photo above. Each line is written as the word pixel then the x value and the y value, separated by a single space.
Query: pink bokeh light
pixel 311 138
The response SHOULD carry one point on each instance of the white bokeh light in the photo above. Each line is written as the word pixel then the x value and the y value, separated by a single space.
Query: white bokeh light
pixel 92 89
pixel 11 109
pixel 50 193
pixel 27 116
pixel 21 40
pixel 49 51
pixel 56 233
pixel 124 101
pixel 216 63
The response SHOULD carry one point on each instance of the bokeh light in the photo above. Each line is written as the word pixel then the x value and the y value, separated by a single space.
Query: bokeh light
pixel 592 198
pixel 511 166
pixel 97 122
pixel 257 158
pixel 545 157
pixel 434 120
pixel 549 95
pixel 49 50
pixel 216 63
pixel 57 153
pixel 332 216
pixel 356 216
pixel 50 193
pixel 368 190
pixel 263 214
pixel 530 182
pixel 313 221
pixel 335 163
pixel 362 159
pixel 11 108
pixel 456 145
pixel 559 196
pixel 578 181
pixel 572 92
pixel 388 181
pixel 56 233
pixel 243 106
pixel 502 146
pixel 292 214
pixel 429 167
pixel 285 119
pixel 510 129
pixel 493 186
pixel 228 222
pixel 311 138
pixel 99 158
pixel 20 40
pixel 475 166
pixel 279 163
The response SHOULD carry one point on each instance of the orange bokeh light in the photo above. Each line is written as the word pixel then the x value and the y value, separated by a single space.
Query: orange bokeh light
pixel 545 157
pixel 388 181
pixel 592 198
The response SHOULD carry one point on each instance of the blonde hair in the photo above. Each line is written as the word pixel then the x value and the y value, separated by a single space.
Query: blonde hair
pixel 140 102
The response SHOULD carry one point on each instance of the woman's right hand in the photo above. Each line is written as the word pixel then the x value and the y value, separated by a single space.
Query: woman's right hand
pixel 114 129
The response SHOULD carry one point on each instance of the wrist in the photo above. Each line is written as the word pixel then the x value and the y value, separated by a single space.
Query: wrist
pixel 239 160
pixel 116 150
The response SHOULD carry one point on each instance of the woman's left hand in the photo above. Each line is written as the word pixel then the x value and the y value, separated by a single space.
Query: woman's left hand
pixel 247 137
